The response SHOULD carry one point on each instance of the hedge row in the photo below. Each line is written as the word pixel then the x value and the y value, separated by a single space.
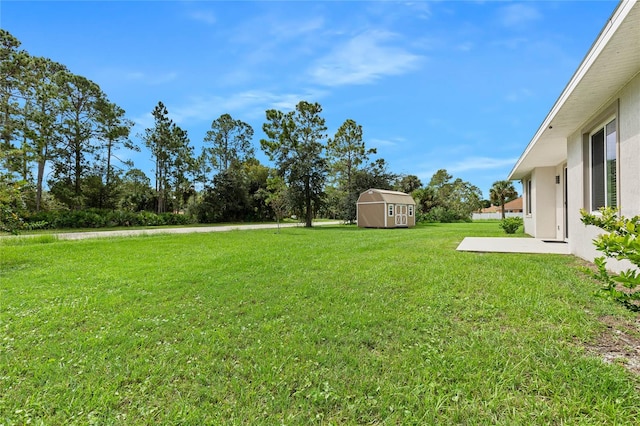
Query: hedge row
pixel 96 218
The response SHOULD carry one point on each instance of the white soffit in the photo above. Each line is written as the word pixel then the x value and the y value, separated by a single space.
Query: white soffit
pixel 612 61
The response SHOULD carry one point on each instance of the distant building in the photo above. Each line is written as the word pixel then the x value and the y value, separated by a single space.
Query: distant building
pixel 514 206
pixel 379 208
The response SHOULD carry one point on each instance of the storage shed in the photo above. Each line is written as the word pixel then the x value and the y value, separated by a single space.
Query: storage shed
pixel 379 208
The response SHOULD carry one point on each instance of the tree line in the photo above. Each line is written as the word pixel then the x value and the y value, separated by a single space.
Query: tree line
pixel 61 141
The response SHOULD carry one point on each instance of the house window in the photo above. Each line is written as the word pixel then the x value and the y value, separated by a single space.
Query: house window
pixel 410 210
pixel 528 201
pixel 390 210
pixel 603 144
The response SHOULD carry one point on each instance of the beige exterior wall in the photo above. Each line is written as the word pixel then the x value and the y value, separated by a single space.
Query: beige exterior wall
pixel 626 104
pixel 629 129
pixel 543 197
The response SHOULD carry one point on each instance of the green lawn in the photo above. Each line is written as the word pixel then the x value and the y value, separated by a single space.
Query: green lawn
pixel 331 325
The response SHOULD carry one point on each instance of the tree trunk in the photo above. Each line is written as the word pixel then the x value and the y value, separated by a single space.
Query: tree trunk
pixel 39 179
pixel 78 174
pixel 307 196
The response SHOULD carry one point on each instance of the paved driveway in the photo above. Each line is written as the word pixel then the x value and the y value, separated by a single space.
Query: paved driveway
pixel 151 231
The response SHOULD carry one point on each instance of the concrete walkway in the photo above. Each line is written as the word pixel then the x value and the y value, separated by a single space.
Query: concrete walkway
pixel 152 231
pixel 513 245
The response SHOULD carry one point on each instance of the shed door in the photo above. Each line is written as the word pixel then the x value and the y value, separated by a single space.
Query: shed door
pixel 401 215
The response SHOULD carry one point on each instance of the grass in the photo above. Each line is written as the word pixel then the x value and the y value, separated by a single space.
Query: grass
pixel 331 325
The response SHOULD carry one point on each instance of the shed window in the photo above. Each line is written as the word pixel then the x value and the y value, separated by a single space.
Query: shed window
pixel 410 210
pixel 603 144
pixel 390 207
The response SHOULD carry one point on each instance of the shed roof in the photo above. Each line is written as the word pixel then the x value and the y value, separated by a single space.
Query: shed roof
pixel 383 195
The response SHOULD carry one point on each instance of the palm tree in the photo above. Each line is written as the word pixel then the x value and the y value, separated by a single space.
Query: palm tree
pixel 501 192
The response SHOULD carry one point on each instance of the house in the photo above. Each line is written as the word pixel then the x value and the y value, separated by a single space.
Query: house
pixel 379 208
pixel 586 152
pixel 513 206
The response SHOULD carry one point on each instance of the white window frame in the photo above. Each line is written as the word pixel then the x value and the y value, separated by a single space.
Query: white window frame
pixel 410 210
pixel 606 152
pixel 390 210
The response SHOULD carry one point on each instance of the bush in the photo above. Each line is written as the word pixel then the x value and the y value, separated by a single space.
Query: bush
pixel 620 243
pixel 12 205
pixel 511 224
pixel 442 214
pixel 98 218
pixel 175 219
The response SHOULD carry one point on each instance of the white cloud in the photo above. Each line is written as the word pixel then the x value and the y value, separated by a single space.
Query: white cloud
pixel 481 163
pixel 297 28
pixel 421 9
pixel 250 104
pixel 141 123
pixel 150 79
pixel 518 95
pixel 364 59
pixel 465 47
pixel 205 16
pixel 518 15
pixel 377 143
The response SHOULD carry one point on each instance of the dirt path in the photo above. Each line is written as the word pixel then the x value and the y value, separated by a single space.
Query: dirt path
pixel 151 231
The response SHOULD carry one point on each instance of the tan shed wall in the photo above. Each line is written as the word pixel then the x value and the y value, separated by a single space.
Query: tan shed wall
pixel 371 215
pixel 411 220
pixel 374 215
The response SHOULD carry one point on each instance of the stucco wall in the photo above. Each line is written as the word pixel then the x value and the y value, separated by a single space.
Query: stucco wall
pixel 629 137
pixel 543 197
pixel 628 112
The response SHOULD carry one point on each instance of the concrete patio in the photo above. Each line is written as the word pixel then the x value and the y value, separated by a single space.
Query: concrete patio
pixel 513 245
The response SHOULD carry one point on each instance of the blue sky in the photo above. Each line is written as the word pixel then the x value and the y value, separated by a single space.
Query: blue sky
pixel 456 85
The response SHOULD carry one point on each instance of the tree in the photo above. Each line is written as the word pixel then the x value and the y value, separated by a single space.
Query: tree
pixel 79 97
pixel 172 155
pixel 408 184
pixel 375 175
pixel 230 196
pixel 295 144
pixel 277 198
pixel 42 115
pixel 113 130
pixel 446 201
pixel 12 64
pixel 257 176
pixel 136 194
pixel 183 167
pixel 346 152
pixel 230 140
pixel 501 192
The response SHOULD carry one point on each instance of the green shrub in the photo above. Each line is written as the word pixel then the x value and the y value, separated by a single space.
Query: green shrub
pixel 12 205
pixel 620 243
pixel 442 214
pixel 511 224
pixel 175 219
pixel 99 218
